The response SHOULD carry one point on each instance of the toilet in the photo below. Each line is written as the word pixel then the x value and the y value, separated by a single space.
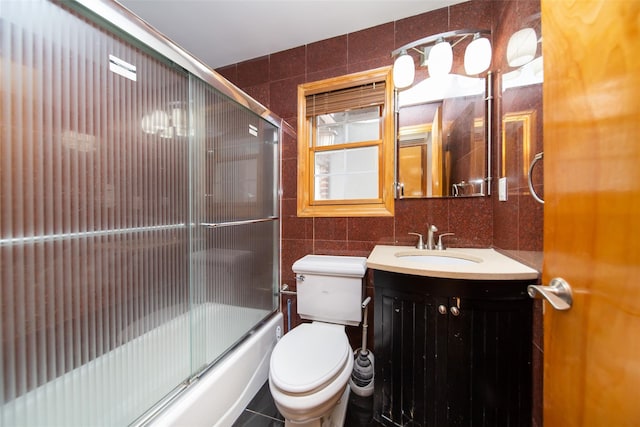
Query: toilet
pixel 311 365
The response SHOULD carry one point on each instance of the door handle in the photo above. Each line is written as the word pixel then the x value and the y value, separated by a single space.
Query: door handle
pixel 558 293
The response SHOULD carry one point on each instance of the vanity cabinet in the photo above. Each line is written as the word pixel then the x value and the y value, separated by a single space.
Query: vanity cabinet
pixel 452 352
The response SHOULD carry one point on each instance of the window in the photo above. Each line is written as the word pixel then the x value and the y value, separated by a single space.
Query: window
pixel 345 145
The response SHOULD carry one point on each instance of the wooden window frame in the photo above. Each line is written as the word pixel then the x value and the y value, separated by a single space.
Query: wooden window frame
pixel 384 206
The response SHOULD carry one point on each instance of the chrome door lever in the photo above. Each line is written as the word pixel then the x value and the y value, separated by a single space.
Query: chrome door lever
pixel 558 293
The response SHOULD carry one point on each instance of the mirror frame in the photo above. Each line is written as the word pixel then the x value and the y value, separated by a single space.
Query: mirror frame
pixel 527 118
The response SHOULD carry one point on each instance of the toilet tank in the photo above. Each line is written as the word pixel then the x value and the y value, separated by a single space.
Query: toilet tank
pixel 329 288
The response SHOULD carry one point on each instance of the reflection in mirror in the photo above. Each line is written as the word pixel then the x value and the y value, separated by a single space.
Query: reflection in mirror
pixel 521 106
pixel 529 74
pixel 414 143
pixel 524 55
pixel 442 148
pixel 517 131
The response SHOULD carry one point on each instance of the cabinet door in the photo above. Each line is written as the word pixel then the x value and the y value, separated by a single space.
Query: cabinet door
pixel 489 363
pixel 410 337
pixel 443 360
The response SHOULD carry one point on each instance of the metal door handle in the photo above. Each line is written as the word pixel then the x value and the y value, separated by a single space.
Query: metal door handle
pixel 558 293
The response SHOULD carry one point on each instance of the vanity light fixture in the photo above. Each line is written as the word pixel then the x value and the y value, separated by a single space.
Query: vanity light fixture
pixel 477 56
pixel 403 70
pixel 522 47
pixel 156 122
pixel 167 124
pixel 437 54
pixel 440 59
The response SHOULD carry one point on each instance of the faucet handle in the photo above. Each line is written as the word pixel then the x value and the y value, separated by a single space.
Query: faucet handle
pixel 420 244
pixel 440 245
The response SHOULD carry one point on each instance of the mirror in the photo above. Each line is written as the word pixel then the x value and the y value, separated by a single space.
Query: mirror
pixel 442 148
pixel 518 131
pixel 520 110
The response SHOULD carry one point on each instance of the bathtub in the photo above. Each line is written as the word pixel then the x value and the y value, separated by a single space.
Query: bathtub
pixel 219 396
pixel 95 394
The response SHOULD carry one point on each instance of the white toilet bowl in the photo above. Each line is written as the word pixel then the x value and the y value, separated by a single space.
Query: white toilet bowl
pixel 309 373
pixel 311 365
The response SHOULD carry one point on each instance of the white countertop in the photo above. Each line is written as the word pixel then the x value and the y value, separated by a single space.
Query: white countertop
pixel 489 265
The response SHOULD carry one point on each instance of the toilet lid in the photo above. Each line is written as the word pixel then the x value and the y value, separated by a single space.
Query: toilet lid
pixel 309 356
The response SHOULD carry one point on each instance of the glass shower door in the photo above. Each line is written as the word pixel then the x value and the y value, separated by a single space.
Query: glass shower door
pixel 235 226
pixel 93 237
pixel 139 221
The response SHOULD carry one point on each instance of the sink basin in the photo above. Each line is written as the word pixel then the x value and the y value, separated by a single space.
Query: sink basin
pixel 438 259
pixel 452 263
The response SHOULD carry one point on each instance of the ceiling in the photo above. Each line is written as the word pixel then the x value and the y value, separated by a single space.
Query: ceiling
pixel 224 32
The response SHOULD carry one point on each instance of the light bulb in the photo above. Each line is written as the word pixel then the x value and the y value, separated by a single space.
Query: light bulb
pixel 522 47
pixel 440 59
pixel 155 122
pixel 403 71
pixel 477 56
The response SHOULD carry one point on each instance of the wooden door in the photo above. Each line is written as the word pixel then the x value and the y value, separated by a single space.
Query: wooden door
pixel 413 161
pixel 592 211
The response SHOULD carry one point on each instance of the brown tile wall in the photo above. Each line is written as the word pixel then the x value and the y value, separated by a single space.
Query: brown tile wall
pixel 514 226
pixel 518 222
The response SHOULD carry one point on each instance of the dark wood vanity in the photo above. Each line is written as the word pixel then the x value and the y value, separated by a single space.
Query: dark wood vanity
pixel 452 352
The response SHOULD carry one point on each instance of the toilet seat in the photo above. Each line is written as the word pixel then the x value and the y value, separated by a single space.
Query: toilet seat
pixel 309 357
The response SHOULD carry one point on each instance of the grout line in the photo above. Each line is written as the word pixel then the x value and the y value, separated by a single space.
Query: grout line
pixel 263 415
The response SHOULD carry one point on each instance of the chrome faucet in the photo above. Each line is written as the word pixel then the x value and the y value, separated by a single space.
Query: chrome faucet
pixel 430 242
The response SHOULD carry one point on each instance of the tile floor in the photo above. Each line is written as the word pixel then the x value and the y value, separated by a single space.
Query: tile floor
pixel 262 412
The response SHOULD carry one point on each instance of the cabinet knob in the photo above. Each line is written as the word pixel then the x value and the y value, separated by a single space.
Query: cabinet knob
pixel 455 309
pixel 442 309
